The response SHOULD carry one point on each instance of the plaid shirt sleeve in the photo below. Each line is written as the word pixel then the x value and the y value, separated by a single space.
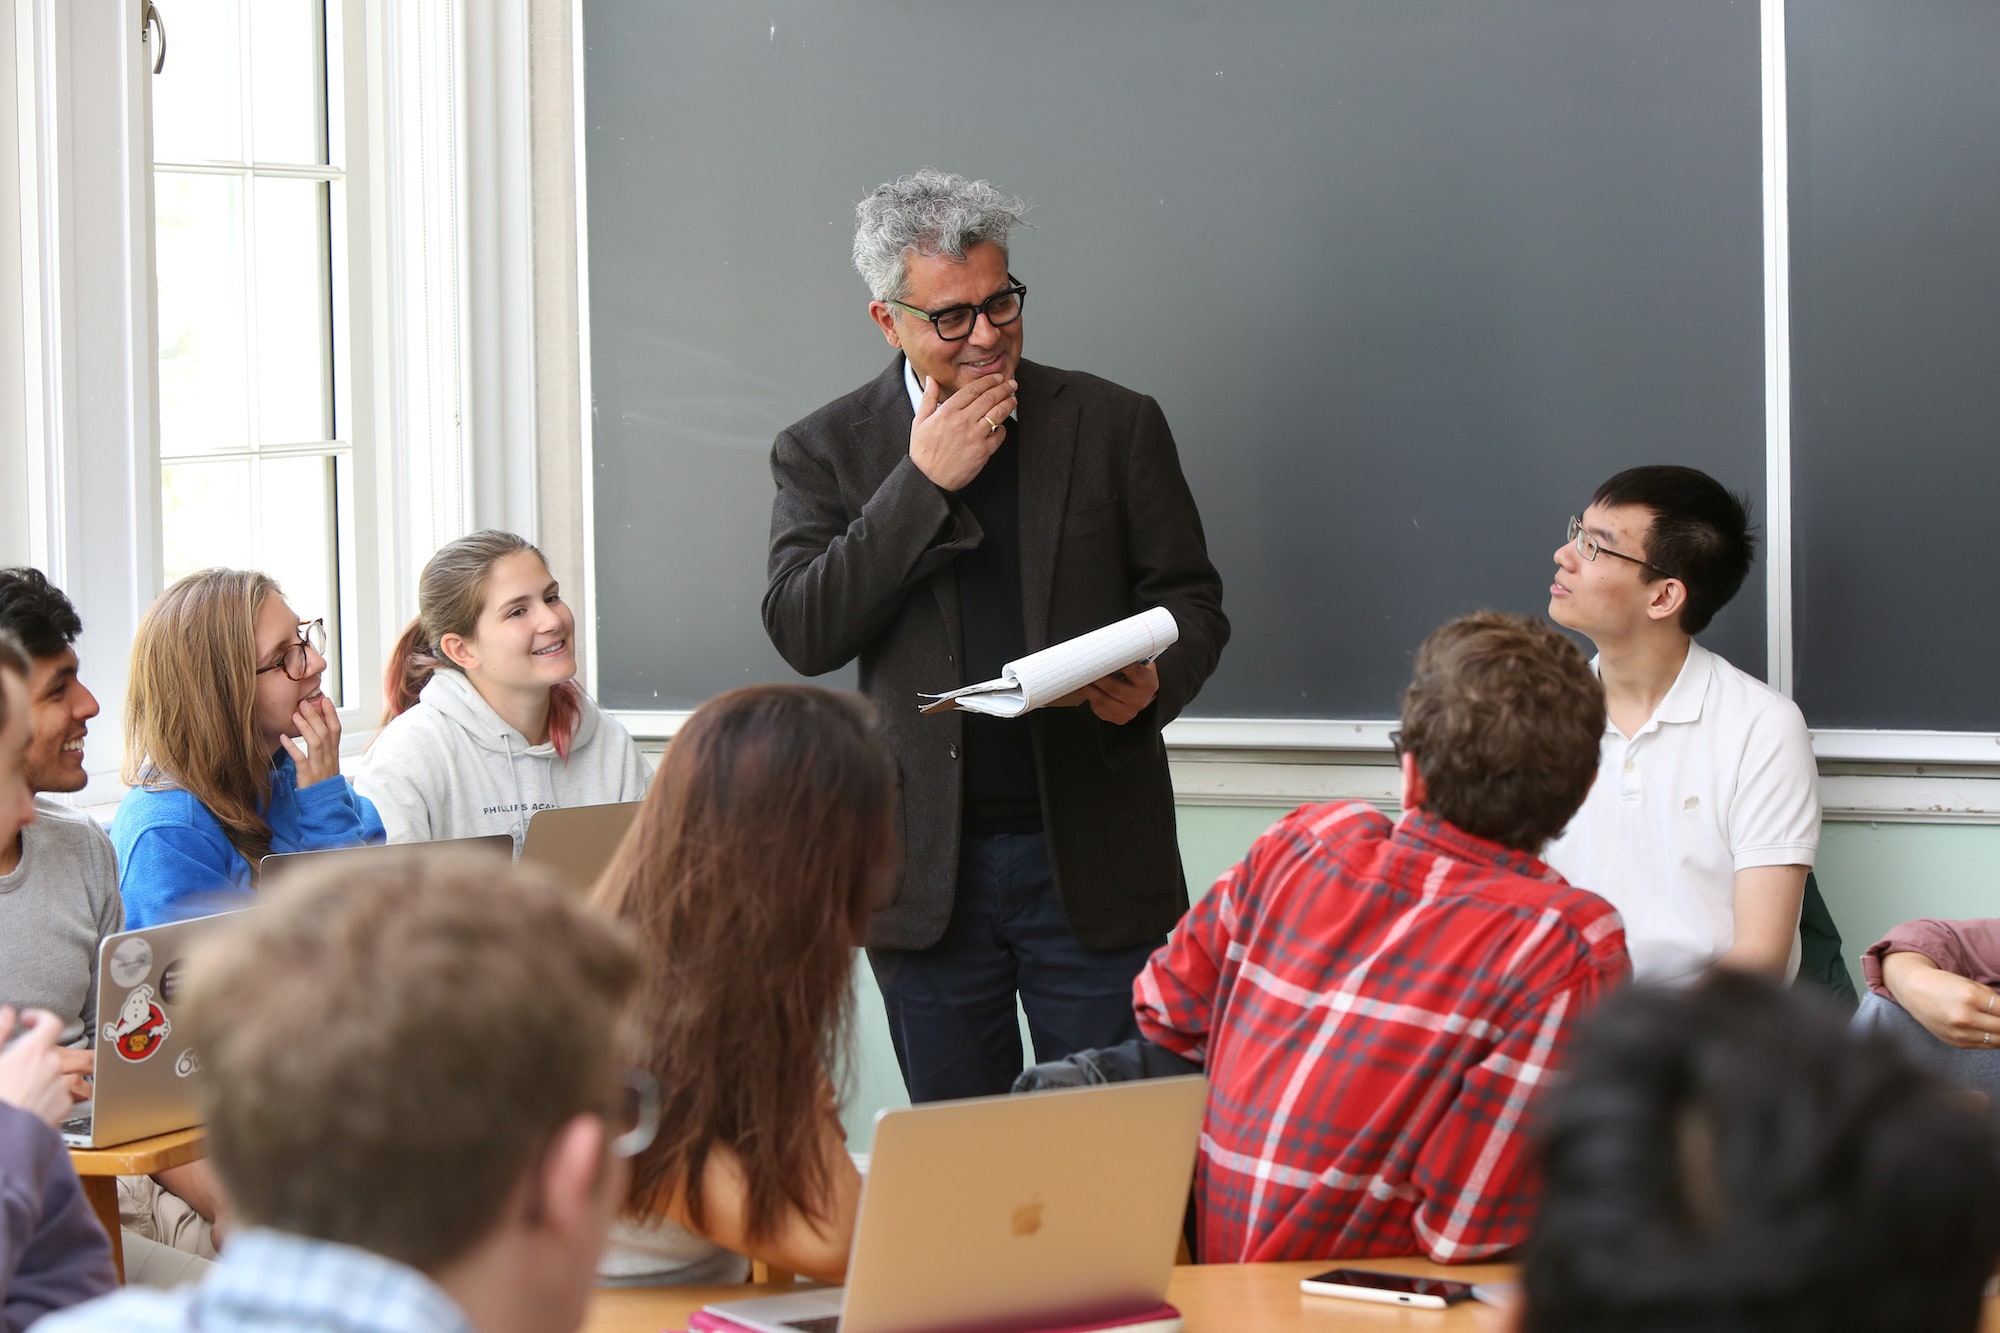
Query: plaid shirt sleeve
pixel 1174 997
pixel 1473 1173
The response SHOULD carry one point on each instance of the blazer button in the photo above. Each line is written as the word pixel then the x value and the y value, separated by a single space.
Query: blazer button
pixel 952 749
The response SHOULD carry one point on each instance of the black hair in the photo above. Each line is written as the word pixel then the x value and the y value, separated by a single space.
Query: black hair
pixel 1733 1157
pixel 1700 533
pixel 37 612
pixel 13 659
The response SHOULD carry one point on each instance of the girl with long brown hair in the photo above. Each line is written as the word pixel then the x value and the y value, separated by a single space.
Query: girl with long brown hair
pixel 767 838
pixel 485 723
pixel 231 750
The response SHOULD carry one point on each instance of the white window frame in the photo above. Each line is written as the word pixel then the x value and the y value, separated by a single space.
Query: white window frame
pixel 434 133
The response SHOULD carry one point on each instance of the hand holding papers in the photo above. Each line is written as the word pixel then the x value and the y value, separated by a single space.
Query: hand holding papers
pixel 1040 679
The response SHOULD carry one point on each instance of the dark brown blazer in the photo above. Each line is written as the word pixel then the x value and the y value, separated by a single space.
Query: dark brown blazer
pixel 861 567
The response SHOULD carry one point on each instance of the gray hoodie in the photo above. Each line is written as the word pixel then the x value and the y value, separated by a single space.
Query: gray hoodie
pixel 450 767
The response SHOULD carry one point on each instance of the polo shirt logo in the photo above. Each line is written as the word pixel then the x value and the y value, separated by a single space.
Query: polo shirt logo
pixel 1691 803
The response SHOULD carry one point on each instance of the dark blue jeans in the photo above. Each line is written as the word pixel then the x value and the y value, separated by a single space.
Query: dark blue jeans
pixel 951 1006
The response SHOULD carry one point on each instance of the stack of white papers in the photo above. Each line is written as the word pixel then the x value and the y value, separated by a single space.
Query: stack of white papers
pixel 1039 679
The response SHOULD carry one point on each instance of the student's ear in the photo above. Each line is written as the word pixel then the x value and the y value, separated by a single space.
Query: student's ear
pixel 885 319
pixel 458 652
pixel 1669 598
pixel 574 1175
pixel 1413 783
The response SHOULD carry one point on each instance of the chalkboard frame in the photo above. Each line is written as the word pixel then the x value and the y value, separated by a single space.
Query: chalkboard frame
pixel 1888 747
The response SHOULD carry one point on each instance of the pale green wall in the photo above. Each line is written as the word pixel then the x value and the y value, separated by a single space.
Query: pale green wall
pixel 1873 876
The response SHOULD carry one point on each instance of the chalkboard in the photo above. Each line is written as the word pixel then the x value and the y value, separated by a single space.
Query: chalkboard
pixel 1895 164
pixel 1408 278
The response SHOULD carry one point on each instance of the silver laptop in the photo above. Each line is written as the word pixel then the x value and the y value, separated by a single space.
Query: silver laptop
pixel 276 867
pixel 147 1070
pixel 1011 1213
pixel 576 843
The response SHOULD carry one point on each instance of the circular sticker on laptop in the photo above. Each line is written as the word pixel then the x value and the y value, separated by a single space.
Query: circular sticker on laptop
pixel 131 961
pixel 171 980
pixel 140 1028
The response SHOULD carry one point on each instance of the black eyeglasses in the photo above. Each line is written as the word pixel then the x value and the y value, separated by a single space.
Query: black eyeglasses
pixel 312 635
pixel 955 323
pixel 1589 548
pixel 1396 743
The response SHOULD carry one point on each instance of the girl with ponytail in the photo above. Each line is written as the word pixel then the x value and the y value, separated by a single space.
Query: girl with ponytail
pixel 485 723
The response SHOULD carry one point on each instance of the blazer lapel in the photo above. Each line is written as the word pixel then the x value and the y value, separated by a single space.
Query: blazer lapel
pixel 1048 447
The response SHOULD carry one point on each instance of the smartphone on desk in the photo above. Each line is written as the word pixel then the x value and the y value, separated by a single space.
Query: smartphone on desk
pixel 1362 1284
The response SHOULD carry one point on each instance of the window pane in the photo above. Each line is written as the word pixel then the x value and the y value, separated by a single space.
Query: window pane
pixel 280 515
pixel 198 97
pixel 297 517
pixel 204 378
pixel 294 322
pixel 288 80
pixel 205 517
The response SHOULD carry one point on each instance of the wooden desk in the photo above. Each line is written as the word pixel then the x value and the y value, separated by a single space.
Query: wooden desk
pixel 1219 1298
pixel 101 1167
pixel 1216 1298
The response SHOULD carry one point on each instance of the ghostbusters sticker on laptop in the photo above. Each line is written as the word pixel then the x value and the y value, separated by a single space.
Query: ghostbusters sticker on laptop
pixel 140 1029
pixel 131 961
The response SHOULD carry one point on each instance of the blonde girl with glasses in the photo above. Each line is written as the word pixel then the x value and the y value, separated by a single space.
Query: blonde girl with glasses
pixel 485 722
pixel 231 749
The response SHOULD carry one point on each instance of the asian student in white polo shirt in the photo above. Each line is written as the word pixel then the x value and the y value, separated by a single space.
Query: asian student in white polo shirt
pixel 1705 815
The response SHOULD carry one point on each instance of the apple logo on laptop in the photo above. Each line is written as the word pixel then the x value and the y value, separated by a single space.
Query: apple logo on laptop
pixel 1027 1219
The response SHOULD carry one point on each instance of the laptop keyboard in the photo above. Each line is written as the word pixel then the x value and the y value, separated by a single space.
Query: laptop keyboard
pixel 826 1323
pixel 76 1124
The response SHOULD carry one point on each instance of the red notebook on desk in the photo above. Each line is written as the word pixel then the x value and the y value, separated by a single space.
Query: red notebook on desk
pixel 1161 1318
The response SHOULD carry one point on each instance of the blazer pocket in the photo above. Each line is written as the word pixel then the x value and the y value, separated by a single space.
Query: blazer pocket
pixel 1090 519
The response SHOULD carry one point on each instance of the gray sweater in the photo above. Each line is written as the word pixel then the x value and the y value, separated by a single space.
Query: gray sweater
pixel 451 767
pixel 54 908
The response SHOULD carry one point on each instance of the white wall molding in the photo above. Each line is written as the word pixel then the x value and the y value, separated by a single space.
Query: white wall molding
pixel 496 230
pixel 1865 776
pixel 558 382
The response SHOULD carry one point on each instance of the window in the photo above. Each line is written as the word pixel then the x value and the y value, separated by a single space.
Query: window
pixel 257 414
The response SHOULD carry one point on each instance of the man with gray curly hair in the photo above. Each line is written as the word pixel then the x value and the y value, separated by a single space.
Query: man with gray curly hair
pixel 963 508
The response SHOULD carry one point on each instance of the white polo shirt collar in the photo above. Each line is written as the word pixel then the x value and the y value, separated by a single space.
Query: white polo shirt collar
pixel 1684 698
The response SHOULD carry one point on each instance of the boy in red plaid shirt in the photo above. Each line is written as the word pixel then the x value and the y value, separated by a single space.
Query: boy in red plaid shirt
pixel 1377 1007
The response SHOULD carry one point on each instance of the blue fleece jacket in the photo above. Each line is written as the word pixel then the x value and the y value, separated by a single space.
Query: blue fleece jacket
pixel 175 861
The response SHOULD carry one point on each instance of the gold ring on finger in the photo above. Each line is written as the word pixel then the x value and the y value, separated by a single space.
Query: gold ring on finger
pixel 990 427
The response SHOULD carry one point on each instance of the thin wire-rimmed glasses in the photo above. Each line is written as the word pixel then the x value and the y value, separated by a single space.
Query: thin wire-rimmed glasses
pixel 1589 548
pixel 312 634
pixel 634 1116
pixel 955 323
